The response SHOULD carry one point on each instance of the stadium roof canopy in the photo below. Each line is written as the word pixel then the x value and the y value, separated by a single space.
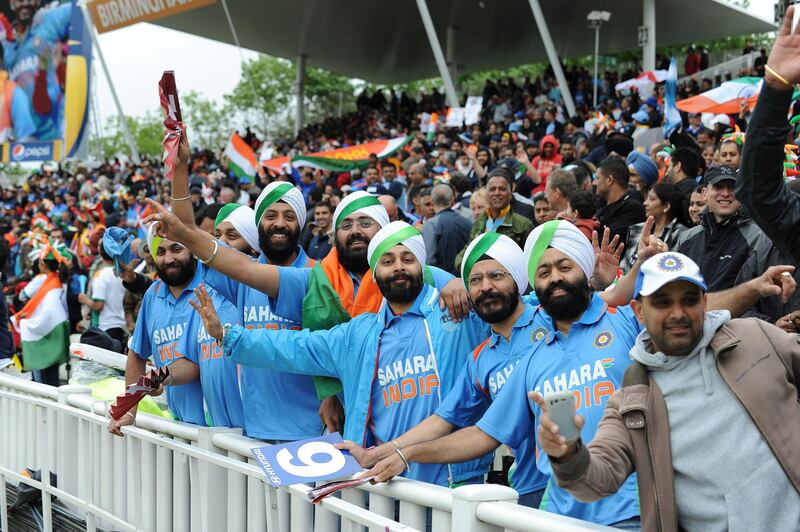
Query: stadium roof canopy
pixel 385 41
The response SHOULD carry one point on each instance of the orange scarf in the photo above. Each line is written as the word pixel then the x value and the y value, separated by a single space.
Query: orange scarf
pixel 51 283
pixel 369 298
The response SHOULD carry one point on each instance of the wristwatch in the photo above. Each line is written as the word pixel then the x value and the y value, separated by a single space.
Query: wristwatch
pixel 225 328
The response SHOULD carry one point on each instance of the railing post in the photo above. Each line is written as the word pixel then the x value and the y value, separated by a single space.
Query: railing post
pixel 465 505
pixel 69 447
pixel 213 490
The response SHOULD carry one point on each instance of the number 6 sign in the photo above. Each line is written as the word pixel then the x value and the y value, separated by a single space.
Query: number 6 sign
pixel 305 461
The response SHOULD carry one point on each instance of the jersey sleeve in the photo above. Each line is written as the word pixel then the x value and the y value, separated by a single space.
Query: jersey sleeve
pixel 293 284
pixel 140 342
pixel 630 318
pixel 440 277
pixel 21 119
pixel 321 353
pixel 223 284
pixel 467 401
pixel 509 419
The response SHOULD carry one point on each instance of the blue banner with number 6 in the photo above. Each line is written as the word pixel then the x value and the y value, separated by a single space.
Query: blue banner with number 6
pixel 305 461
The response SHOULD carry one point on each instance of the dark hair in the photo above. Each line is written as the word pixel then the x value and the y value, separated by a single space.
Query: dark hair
pixel 730 141
pixel 581 172
pixel 103 252
pixel 668 193
pixel 617 170
pixel 584 202
pixel 386 163
pixel 54 266
pixel 690 160
pixel 315 195
pixel 505 173
pixel 207 211
pixel 325 204
pixel 460 182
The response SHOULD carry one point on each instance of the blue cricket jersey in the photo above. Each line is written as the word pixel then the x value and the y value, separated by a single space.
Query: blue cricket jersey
pixel 590 361
pixel 294 285
pixel 485 374
pixel 278 405
pixel 406 390
pixel 161 323
pixel 50 27
pixel 218 374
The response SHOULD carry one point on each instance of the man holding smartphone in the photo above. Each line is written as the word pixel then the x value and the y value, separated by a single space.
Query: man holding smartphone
pixel 704 392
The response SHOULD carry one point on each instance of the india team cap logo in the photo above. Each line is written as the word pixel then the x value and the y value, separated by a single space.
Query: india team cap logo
pixel 666 268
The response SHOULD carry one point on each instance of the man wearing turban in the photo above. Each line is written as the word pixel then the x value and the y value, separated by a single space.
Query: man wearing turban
pixel 395 365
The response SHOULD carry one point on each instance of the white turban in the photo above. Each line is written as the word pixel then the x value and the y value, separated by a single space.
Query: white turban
pixel 563 236
pixel 500 248
pixel 364 203
pixel 243 219
pixel 391 235
pixel 285 192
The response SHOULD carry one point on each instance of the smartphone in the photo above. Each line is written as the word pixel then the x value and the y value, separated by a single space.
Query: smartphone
pixel 561 409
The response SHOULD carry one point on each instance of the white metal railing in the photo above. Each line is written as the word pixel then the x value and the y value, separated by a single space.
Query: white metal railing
pixel 733 67
pixel 165 475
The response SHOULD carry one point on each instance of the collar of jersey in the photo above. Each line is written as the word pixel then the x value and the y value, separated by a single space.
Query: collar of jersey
pixel 195 282
pixel 597 308
pixel 299 262
pixel 524 320
pixel 415 309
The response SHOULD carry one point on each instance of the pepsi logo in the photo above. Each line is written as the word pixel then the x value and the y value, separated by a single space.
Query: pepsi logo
pixel 18 152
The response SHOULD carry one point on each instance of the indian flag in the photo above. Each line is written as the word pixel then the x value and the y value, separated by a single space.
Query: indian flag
pixel 726 98
pixel 43 326
pixel 241 159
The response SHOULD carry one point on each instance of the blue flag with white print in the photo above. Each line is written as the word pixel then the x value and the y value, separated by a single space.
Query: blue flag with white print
pixel 671 113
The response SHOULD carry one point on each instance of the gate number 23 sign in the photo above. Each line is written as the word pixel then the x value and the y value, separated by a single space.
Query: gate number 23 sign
pixel 305 461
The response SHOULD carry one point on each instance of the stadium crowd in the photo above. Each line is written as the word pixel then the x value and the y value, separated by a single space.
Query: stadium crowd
pixel 427 304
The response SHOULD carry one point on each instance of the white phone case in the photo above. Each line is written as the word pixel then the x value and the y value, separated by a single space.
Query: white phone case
pixel 561 410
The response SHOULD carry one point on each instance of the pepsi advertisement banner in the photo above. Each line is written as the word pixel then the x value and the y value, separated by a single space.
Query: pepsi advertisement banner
pixel 45 83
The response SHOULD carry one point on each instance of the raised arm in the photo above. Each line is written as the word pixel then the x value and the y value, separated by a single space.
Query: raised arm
pixel 776 281
pixel 228 261
pixel 304 352
pixel 760 186
pixel 181 198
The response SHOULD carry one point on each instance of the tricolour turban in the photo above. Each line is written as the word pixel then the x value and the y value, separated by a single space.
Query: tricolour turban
pixel 391 235
pixel 285 192
pixel 361 202
pixel 500 248
pixel 563 236
pixel 243 219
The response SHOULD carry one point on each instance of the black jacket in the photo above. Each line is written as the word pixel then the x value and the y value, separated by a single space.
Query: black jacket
pixel 445 235
pixel 620 215
pixel 760 186
pixel 769 308
pixel 722 248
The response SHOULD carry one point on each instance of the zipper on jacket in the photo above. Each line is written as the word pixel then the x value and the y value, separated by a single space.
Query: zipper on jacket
pixel 652 470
